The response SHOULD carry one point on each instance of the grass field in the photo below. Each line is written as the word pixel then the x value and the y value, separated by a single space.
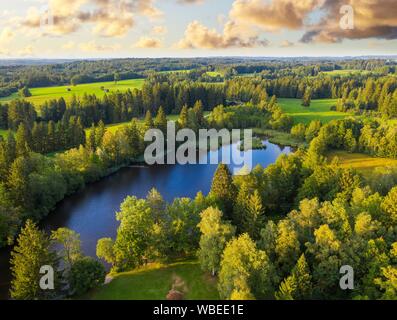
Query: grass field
pixel 214 73
pixel 155 281
pixel 40 95
pixel 318 110
pixel 363 163
pixel 344 73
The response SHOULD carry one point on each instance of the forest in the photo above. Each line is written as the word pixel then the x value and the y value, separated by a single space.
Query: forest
pixel 280 232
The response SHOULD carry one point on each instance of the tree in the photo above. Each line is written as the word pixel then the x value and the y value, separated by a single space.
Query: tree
pixel 287 289
pixel 134 235
pixel 25 92
pixel 31 252
pixel 148 122
pixel 287 245
pixel 116 77
pixel 389 205
pixel 298 131
pixel 253 218
pixel 100 132
pixel 23 140
pixel 74 80
pixel 183 118
pixel 160 122
pixel 245 268
pixel 70 243
pixel 214 235
pixel 306 100
pixel 312 130
pixel 223 190
pixel 91 143
pixel 86 274
pixel 104 250
pixel 301 273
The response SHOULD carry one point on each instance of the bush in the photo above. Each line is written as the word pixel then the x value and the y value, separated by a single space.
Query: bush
pixel 85 274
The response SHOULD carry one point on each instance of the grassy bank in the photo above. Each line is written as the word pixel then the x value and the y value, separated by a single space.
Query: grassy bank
pixel 279 137
pixel 154 281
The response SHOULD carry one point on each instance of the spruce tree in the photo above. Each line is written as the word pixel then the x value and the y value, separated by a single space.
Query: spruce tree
pixel 160 122
pixel 30 254
pixel 148 123
pixel 253 219
pixel 223 190
pixel 183 118
pixel 303 279
pixel 23 139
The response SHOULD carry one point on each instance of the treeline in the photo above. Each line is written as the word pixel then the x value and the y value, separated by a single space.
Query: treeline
pixel 114 107
pixel 356 92
pixel 377 138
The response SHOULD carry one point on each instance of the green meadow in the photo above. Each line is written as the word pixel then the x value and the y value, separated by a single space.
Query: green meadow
pixel 319 110
pixel 363 163
pixel 154 281
pixel 40 95
pixel 344 73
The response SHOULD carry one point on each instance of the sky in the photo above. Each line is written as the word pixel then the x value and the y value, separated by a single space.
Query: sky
pixel 191 28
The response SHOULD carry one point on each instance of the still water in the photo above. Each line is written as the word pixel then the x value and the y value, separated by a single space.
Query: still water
pixel 91 212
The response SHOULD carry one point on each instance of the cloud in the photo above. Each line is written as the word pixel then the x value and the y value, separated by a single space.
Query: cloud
pixel 159 30
pixel 287 44
pixel 26 51
pixel 274 15
pixel 372 18
pixel 92 46
pixel 69 45
pixel 146 42
pixel 110 18
pixel 190 1
pixel 200 36
pixel 6 35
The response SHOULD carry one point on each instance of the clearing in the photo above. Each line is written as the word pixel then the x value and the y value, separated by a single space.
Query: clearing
pixel 363 163
pixel 154 281
pixel 319 110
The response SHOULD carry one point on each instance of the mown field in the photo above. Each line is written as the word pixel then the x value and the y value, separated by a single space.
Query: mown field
pixel 40 95
pixel 363 163
pixel 318 110
pixel 156 280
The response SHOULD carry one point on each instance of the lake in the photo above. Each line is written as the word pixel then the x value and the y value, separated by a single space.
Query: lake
pixel 91 212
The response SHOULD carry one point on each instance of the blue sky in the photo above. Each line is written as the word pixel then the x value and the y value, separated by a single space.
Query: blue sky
pixel 156 28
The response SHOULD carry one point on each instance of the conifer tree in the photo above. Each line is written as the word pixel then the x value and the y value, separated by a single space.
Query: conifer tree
pixel 183 118
pixel 148 123
pixel 30 254
pixel 253 218
pixel 160 122
pixel 223 190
